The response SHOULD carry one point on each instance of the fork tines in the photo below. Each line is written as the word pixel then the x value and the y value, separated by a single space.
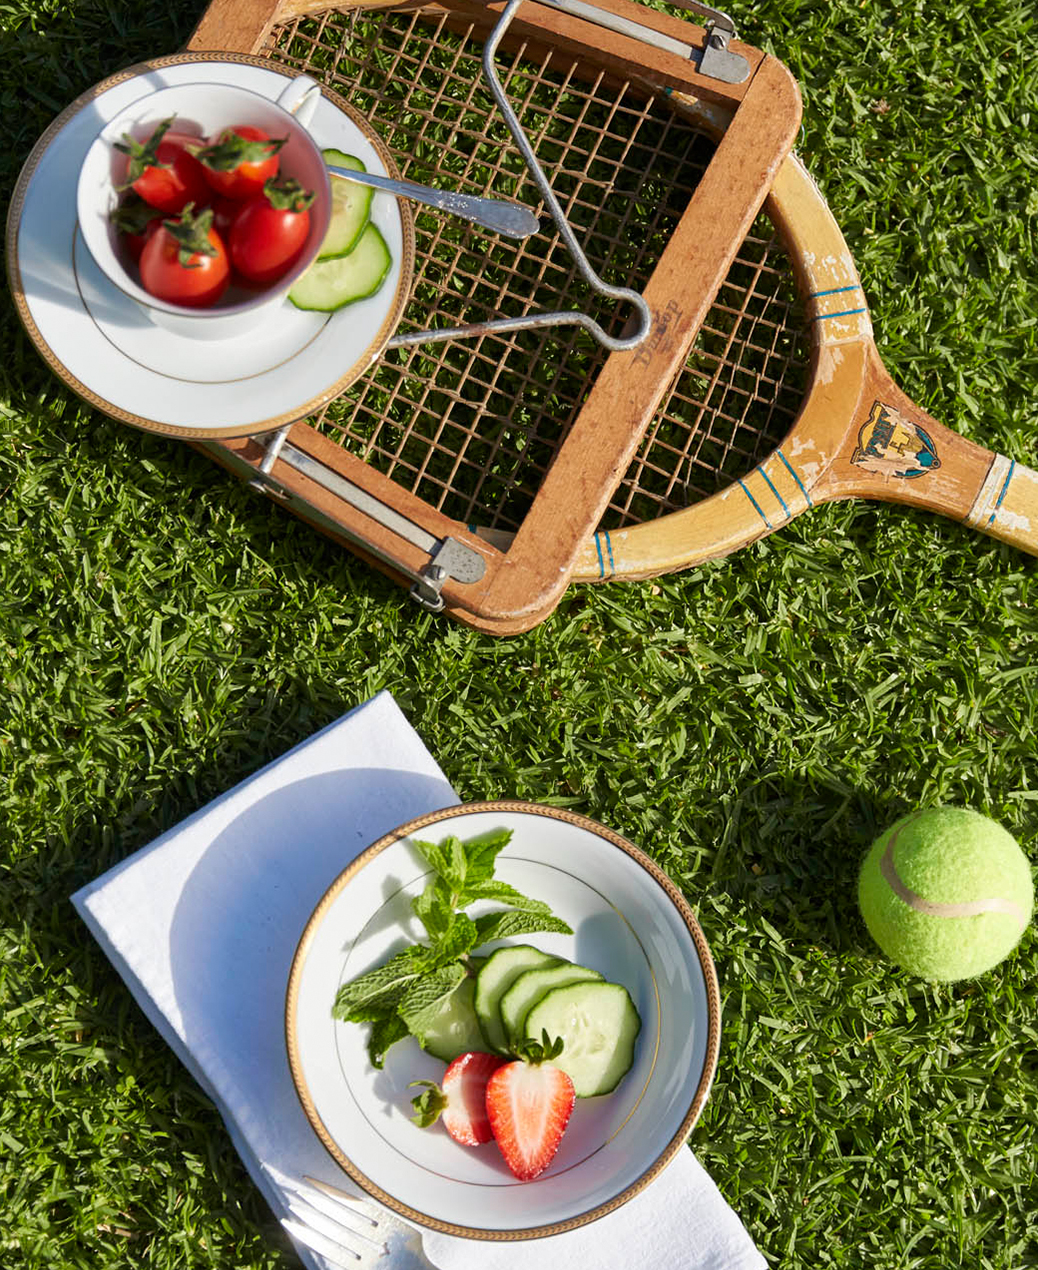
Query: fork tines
pixel 328 1221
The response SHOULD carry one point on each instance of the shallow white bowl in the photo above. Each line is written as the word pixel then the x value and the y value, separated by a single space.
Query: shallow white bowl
pixel 629 921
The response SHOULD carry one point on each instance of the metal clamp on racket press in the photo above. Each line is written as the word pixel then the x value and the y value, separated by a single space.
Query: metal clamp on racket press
pixel 449 558
pixel 637 328
pixel 715 60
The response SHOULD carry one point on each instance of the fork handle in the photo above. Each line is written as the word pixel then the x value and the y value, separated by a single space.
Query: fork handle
pixel 509 219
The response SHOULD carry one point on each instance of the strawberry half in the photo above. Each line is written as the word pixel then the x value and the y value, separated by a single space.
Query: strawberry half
pixel 529 1103
pixel 460 1101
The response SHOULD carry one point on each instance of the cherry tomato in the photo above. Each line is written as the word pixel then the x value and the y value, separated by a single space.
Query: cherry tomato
pixel 239 162
pixel 136 221
pixel 185 261
pixel 163 170
pixel 270 231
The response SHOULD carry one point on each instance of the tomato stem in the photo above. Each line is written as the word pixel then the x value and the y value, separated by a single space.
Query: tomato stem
pixel 192 233
pixel 287 195
pixel 232 150
pixel 143 154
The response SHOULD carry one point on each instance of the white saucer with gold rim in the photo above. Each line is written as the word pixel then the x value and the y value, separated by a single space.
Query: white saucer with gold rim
pixel 97 340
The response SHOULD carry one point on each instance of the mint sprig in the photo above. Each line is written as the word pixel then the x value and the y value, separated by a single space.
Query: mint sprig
pixel 405 994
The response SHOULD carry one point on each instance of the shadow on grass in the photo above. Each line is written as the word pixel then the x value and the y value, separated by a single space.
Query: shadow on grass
pixel 791 857
pixel 50 55
pixel 101 1047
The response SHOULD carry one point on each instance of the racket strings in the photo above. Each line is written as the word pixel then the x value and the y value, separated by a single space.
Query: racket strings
pixel 471 426
pixel 737 396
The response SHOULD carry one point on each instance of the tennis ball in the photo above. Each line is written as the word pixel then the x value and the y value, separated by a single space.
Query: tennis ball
pixel 946 893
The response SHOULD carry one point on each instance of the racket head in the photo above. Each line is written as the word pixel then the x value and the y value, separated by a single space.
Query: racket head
pixel 785 403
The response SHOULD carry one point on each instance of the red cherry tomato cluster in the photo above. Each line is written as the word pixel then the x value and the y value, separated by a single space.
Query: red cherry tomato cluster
pixel 198 214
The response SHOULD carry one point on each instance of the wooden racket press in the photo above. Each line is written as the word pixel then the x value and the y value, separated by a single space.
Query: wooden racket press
pixel 473 468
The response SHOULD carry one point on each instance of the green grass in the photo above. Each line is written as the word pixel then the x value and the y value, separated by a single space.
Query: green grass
pixel 753 723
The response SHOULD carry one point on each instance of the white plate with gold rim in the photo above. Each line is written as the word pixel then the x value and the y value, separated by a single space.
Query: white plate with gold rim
pixel 99 342
pixel 629 922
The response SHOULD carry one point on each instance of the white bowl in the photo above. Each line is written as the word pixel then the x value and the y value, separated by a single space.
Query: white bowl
pixel 203 109
pixel 630 922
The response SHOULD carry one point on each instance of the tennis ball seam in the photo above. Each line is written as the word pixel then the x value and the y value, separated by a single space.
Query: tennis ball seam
pixel 919 904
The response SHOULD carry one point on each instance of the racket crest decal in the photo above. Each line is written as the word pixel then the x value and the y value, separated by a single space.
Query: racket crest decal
pixel 890 444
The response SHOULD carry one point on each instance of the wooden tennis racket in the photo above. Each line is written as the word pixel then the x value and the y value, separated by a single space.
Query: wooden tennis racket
pixel 786 404
pixel 478 472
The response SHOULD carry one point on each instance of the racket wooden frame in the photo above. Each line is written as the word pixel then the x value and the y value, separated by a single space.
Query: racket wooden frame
pixel 523 579
pixel 838 446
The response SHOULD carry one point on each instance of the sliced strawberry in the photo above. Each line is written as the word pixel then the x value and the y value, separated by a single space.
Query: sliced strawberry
pixel 460 1101
pixel 529 1103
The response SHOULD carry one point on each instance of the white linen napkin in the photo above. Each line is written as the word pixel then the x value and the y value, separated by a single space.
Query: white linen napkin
pixel 202 925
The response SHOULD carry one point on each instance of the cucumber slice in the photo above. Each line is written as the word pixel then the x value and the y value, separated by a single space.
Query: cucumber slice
pixel 499 972
pixel 530 987
pixel 351 207
pixel 598 1024
pixel 455 1030
pixel 329 285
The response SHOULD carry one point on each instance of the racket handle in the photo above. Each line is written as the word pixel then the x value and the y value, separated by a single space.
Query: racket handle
pixel 1007 505
pixel 896 452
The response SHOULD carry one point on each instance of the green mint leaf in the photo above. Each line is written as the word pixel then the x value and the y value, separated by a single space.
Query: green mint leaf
pixel 448 859
pixel 434 908
pixel 517 922
pixel 481 854
pixel 424 1003
pixel 384 1033
pixel 407 994
pixel 459 863
pixel 505 894
pixel 381 1009
pixel 380 985
pixel 460 939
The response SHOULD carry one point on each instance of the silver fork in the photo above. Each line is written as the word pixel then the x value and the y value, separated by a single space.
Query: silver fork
pixel 511 219
pixel 329 1222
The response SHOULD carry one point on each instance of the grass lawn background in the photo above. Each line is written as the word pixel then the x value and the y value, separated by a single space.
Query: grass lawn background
pixel 753 723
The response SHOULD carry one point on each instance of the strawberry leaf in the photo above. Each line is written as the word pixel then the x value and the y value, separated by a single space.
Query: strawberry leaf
pixel 428 1104
pixel 545 1050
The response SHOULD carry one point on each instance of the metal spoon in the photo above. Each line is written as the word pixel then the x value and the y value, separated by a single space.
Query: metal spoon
pixel 510 219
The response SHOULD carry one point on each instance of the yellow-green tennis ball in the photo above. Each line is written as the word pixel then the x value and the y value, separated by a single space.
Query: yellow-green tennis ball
pixel 946 893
